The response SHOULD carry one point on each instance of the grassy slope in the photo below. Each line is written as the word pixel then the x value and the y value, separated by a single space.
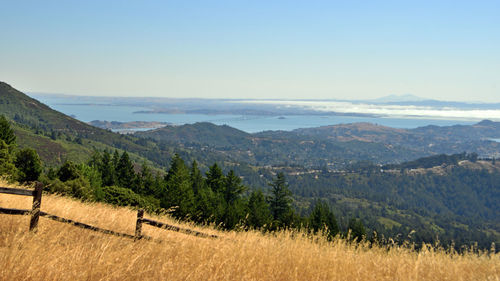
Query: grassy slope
pixel 29 114
pixel 55 152
pixel 202 133
pixel 64 252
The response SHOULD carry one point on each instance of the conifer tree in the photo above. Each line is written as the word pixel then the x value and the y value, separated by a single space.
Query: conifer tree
pixel 232 187
pixel 179 193
pixel 7 144
pixel 234 209
pixel 7 167
pixel 125 174
pixel 259 214
pixel 323 219
pixel 6 132
pixel 147 181
pixel 107 169
pixel 205 200
pixel 215 178
pixel 357 229
pixel 115 159
pixel 280 201
pixel 196 177
pixel 95 160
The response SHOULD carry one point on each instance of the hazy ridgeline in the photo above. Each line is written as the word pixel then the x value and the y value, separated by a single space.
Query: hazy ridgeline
pixel 63 252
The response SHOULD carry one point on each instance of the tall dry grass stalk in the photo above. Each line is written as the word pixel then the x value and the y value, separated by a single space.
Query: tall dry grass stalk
pixel 63 252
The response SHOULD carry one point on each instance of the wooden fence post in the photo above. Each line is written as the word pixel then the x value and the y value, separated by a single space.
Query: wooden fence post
pixel 138 225
pixel 37 202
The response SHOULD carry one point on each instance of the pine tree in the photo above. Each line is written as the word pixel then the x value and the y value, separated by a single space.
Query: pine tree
pixel 232 187
pixel 125 171
pixel 259 214
pixel 7 144
pixel 147 181
pixel 95 160
pixel 208 206
pixel 107 169
pixel 323 219
pixel 179 191
pixel 196 177
pixel 6 132
pixel 7 167
pixel 280 201
pixel 204 197
pixel 116 159
pixel 357 229
pixel 215 178
pixel 234 209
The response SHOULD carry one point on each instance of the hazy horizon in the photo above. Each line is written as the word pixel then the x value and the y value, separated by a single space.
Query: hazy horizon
pixel 396 97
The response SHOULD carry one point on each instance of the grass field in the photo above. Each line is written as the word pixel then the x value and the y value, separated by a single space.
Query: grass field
pixel 63 252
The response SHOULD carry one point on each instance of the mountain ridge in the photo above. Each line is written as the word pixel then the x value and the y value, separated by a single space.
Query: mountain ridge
pixel 459 203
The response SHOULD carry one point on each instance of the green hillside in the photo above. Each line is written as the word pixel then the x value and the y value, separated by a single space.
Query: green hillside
pixel 58 137
pixel 453 197
pixel 203 133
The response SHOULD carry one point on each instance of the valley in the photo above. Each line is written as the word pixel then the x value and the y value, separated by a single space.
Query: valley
pixel 362 170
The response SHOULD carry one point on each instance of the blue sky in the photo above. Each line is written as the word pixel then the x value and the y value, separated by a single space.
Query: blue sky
pixel 447 50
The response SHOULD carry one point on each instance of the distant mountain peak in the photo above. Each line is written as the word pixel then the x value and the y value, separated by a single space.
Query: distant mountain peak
pixel 399 98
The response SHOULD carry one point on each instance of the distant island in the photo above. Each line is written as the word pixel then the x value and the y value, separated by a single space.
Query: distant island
pixel 130 127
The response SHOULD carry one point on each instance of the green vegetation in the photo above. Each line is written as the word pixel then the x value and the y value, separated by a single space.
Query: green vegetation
pixel 271 180
pixel 433 203
pixel 6 132
pixel 323 219
pixel 28 164
pixel 280 200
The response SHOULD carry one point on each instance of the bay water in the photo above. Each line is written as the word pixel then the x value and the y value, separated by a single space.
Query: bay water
pixel 87 112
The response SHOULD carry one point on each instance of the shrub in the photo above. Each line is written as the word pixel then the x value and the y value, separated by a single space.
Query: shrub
pixel 7 168
pixel 29 165
pixel 68 171
pixel 125 197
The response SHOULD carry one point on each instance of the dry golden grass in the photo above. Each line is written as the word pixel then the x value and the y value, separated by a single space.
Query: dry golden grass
pixel 64 252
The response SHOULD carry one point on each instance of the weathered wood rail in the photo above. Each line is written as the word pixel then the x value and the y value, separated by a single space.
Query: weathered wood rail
pixel 35 213
pixel 35 208
pixel 162 225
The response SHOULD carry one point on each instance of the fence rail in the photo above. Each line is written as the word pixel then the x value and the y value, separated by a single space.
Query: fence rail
pixel 141 220
pixel 36 213
pixel 16 191
pixel 35 208
pixel 8 211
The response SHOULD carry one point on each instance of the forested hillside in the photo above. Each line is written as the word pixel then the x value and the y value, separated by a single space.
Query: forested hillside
pixel 59 137
pixel 426 140
pixel 450 202
pixel 217 174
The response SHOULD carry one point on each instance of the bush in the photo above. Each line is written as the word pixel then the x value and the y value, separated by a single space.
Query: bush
pixel 55 186
pixel 29 165
pixel 7 168
pixel 79 188
pixel 125 197
pixel 68 171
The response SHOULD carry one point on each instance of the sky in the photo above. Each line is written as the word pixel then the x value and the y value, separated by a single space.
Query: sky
pixel 447 50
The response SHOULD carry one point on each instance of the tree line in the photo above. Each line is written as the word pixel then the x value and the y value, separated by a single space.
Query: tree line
pixel 213 197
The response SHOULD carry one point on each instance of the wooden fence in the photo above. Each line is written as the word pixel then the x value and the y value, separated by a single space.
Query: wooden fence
pixel 35 213
pixel 35 209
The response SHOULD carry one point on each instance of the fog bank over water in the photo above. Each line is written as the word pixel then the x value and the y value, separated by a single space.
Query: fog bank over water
pixel 388 110
pixel 260 115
